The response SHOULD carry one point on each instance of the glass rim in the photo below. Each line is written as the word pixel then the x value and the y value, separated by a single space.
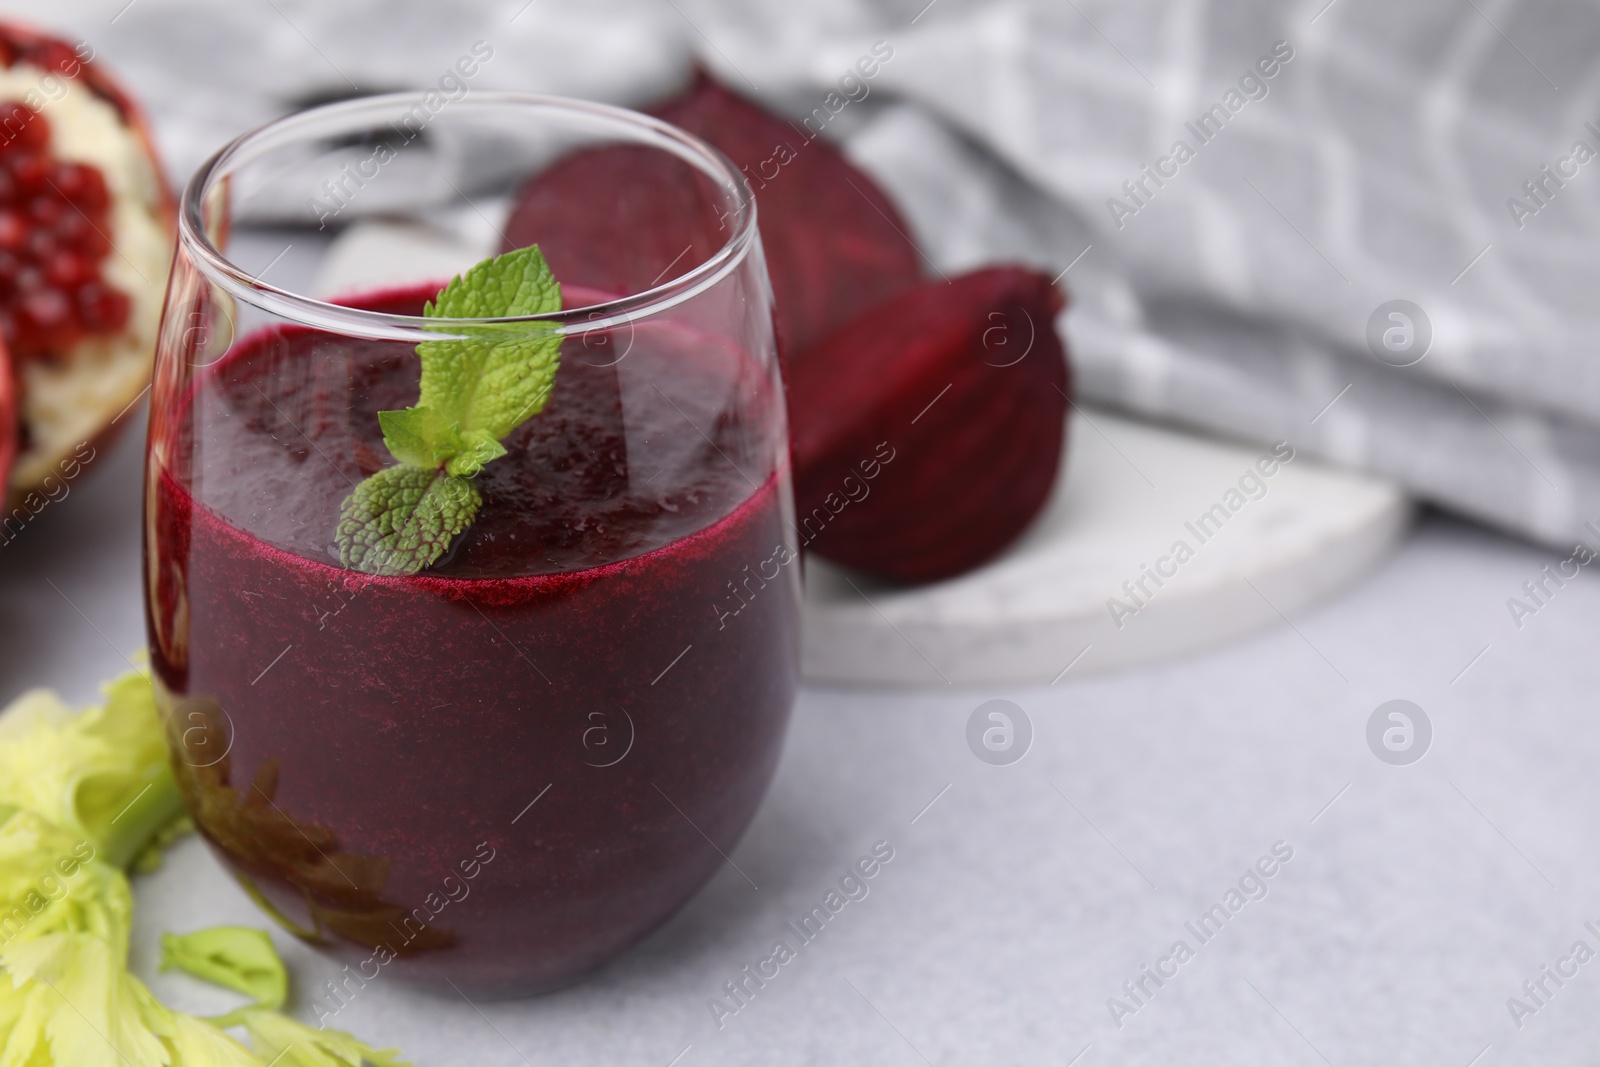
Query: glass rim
pixel 310 311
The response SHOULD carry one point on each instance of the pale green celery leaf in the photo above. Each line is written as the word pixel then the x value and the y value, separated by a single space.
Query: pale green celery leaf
pixel 68 1001
pixel 102 774
pixel 42 749
pixel 50 884
pixel 420 436
pixel 403 518
pixel 79 1007
pixel 197 1043
pixel 274 1036
pixel 494 377
pixel 235 957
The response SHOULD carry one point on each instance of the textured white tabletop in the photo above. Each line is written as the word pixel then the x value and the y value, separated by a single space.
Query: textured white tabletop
pixel 1021 898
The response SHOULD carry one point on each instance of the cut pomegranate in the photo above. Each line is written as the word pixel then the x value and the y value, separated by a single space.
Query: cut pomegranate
pixel 927 433
pixel 85 241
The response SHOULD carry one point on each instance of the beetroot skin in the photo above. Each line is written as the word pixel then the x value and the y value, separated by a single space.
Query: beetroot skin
pixel 834 243
pixel 927 432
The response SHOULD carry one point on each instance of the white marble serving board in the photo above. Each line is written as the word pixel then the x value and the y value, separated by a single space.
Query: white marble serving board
pixel 1128 494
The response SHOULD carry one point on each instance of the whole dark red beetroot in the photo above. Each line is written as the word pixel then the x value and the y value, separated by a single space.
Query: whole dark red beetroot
pixel 835 245
pixel 927 432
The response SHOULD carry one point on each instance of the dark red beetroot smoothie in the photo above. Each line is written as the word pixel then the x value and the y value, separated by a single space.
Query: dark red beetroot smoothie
pixel 577 651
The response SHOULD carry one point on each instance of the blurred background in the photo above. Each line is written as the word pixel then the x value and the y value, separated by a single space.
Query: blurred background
pixel 1388 157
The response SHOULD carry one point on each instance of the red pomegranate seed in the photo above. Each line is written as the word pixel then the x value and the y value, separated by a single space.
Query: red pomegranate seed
pixel 84 236
pixel 41 246
pixel 39 131
pixel 102 308
pixel 13 229
pixel 47 308
pixel 30 278
pixel 82 185
pixel 22 127
pixel 68 269
pixel 68 179
pixel 46 210
pixel 70 227
pixel 29 172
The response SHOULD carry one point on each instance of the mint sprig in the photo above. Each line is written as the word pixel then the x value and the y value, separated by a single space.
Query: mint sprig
pixel 476 388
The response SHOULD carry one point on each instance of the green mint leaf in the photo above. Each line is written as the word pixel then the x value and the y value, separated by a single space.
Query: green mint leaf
pixel 517 283
pixel 494 377
pixel 477 387
pixel 477 449
pixel 234 957
pixel 420 436
pixel 403 518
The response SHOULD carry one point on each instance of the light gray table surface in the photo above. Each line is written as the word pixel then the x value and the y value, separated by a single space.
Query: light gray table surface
pixel 1020 898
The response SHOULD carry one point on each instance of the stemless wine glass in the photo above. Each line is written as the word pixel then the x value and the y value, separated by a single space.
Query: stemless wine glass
pixel 502 770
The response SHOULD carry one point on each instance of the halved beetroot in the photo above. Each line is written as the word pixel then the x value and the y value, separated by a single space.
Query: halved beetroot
pixel 928 431
pixel 619 219
pixel 835 245
pixel 86 219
